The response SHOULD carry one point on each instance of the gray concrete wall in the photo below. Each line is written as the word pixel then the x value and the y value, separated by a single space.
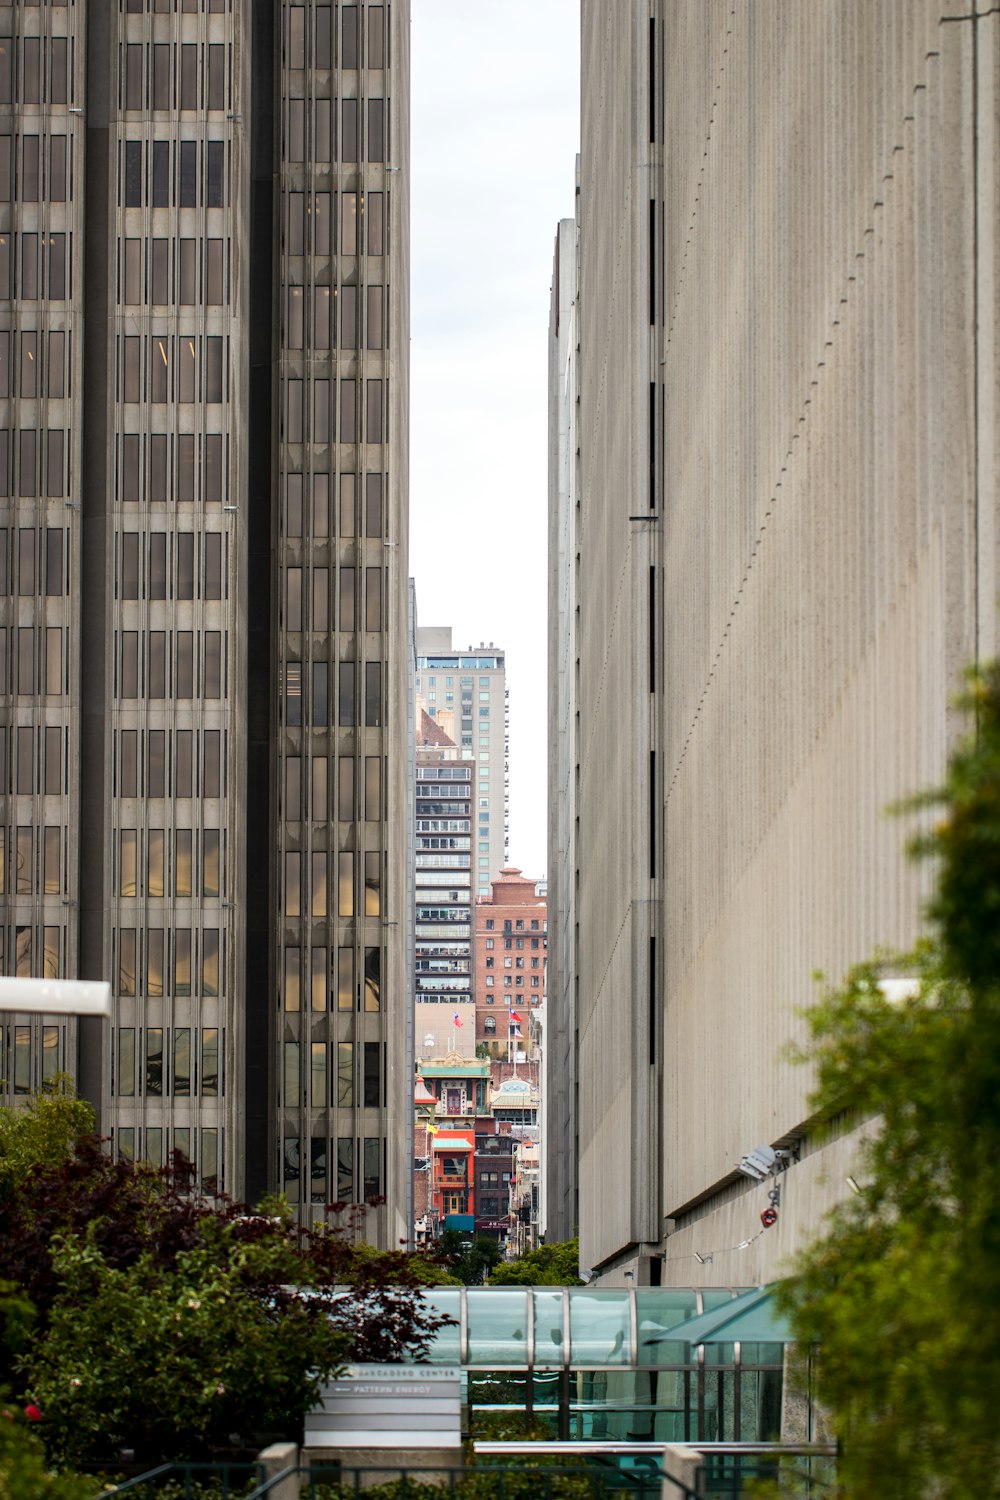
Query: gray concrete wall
pixel 823 347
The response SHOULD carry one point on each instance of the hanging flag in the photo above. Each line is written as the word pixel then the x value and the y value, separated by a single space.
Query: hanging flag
pixel 518 1032
pixel 457 1019
pixel 515 1017
pixel 432 1129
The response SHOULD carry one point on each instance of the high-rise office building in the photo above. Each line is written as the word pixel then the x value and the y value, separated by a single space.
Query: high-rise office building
pixel 777 554
pixel 204 244
pixel 444 1018
pixel 466 693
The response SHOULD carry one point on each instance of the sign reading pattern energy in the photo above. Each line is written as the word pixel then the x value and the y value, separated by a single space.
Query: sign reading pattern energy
pixel 388 1406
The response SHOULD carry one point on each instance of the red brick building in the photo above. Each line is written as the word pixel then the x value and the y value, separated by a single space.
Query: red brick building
pixel 510 937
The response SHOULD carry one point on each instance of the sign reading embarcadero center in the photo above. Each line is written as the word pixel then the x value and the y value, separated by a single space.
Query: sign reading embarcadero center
pixel 389 1406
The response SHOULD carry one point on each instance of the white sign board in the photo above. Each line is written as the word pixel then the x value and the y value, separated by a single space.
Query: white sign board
pixel 388 1406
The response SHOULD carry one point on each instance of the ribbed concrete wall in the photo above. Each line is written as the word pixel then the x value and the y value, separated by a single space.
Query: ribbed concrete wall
pixel 824 347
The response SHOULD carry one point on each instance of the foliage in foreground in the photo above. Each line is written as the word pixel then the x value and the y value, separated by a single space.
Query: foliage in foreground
pixel 173 1325
pixel 902 1291
pixel 549 1265
pixel 24 1471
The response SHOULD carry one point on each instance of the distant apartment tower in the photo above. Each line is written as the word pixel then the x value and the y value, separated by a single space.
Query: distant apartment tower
pixel 203 433
pixel 466 693
pixel 511 942
pixel 442 879
pixel 772 562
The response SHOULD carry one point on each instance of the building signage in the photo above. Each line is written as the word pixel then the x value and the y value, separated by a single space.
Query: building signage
pixel 389 1406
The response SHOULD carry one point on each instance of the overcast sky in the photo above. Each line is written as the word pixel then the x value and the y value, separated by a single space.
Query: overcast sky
pixel 495 134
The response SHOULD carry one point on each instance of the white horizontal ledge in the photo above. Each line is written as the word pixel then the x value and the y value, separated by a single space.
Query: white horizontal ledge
pixel 69 997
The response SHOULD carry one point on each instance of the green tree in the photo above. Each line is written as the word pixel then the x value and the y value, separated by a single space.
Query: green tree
pixel 173 1361
pixel 42 1133
pixel 469 1259
pixel 901 1292
pixel 24 1470
pixel 549 1265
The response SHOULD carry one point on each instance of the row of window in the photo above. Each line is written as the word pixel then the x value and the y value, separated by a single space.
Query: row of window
pixel 170 7
pixel 164 862
pixel 176 763
pixel 34 464
pixel 34 661
pixel 178 961
pixel 361 219
pixel 32 952
pixel 318 132
pixel 36 69
pixel 174 174
pixel 333 409
pixel 329 317
pixel 31 860
pixel 332 981
pixel 34 363
pixel 519 924
pixel 306 883
pixel 30 1056
pixel 358 1178
pixel 318 712
pixel 323 607
pixel 181 565
pixel 33 561
pixel 36 168
pixel 307 1081
pixel 181 1062
pixel 33 759
pixel 307 506
pixel 162 368
pixel 177 272
pixel 202 1148
pixel 519 981
pixel 185 76
pixel 309 36
pixel 163 468
pixel 179 664
pixel 36 266
pixel 307 796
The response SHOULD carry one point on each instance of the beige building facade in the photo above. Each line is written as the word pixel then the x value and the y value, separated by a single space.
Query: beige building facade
pixel 785 553
pixel 210 380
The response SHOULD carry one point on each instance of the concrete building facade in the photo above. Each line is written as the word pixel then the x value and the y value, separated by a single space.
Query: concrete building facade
pixel 466 693
pixel 216 436
pixel 785 553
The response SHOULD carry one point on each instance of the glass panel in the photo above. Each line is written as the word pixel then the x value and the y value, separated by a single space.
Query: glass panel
pixel 154 1061
pixel 318 1097
pixel 659 1309
pixel 210 1062
pixel 498 1323
pixel 599 1328
pixel 182 1061
pixel 446 1348
pixel 548 1327
pixel 126 1061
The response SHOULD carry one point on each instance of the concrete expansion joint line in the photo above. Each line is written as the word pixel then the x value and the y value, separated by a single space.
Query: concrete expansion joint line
pixel 843 301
